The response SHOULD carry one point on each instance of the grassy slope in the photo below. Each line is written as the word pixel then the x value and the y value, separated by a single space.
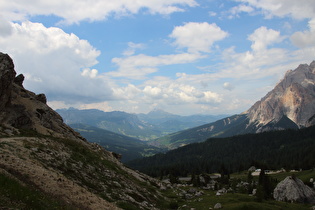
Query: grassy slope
pixel 15 195
pixel 75 162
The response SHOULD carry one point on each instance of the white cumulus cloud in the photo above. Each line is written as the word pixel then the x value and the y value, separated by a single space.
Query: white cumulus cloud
pixel 55 62
pixel 138 66
pixel 197 37
pixel 228 86
pixel 132 47
pixel 263 37
pixel 306 38
pixel 75 11
pixel 5 27
pixel 234 11
pixel 296 9
pixel 92 73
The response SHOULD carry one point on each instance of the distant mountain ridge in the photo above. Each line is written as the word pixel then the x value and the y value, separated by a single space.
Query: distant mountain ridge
pixel 169 123
pixel 141 126
pixel 291 104
pixel 116 121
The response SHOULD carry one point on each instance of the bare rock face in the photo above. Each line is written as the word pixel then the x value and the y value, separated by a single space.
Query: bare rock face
pixel 292 189
pixel 7 75
pixel 293 97
pixel 23 109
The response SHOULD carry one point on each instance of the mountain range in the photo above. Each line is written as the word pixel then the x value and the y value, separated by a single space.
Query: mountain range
pixel 155 124
pixel 291 104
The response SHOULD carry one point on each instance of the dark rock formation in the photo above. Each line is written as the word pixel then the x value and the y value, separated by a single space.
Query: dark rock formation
pixel 7 75
pixel 19 79
pixel 42 98
pixel 23 109
pixel 292 189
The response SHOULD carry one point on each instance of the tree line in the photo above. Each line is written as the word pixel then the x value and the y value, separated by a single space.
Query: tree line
pixel 288 149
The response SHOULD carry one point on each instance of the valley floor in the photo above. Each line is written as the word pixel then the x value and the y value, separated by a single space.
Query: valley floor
pixel 186 196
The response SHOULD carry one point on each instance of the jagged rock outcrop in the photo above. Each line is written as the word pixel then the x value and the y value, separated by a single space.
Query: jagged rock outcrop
pixel 293 98
pixel 7 75
pixel 23 109
pixel 292 189
pixel 41 152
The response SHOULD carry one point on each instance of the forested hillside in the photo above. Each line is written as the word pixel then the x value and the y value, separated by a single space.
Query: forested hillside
pixel 289 149
pixel 129 148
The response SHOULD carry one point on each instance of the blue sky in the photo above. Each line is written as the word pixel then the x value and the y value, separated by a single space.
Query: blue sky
pixel 183 56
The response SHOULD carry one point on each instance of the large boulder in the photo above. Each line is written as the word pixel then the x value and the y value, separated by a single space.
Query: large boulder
pixel 292 189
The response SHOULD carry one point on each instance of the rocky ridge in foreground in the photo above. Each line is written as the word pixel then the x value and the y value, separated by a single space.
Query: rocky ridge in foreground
pixel 38 151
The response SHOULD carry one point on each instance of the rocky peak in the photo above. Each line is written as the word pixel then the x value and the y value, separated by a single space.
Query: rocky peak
pixel 23 109
pixel 293 97
pixel 7 75
pixel 292 189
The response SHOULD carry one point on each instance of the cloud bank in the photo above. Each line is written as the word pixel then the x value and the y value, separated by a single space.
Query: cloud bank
pixel 75 11
pixel 55 62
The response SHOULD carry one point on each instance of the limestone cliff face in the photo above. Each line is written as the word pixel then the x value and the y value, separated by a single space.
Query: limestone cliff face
pixel 293 97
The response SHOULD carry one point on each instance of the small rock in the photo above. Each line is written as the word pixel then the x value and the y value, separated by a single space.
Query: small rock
pixel 19 80
pixel 117 184
pixel 162 187
pixel 188 196
pixel 192 190
pixel 34 149
pixel 8 131
pixel 217 206
pixel 42 98
pixel 199 193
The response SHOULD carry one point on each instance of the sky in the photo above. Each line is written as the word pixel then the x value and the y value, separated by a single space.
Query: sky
pixel 182 56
